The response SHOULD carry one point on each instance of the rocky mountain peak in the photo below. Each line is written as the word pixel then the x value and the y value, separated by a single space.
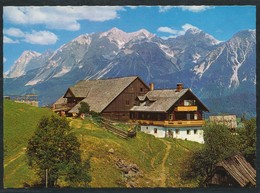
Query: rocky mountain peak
pixel 144 33
pixel 83 39
pixel 18 69
pixel 201 35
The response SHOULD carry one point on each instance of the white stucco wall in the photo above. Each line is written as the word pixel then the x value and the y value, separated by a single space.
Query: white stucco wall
pixel 182 134
pixel 149 129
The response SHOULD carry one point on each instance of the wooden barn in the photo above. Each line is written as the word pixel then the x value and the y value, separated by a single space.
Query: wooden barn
pixel 233 172
pixel 176 113
pixel 113 98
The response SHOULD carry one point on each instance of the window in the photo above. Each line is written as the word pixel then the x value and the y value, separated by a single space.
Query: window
pixel 146 128
pixel 188 132
pixel 127 102
pixel 141 89
pixel 189 102
pixel 188 116
pixel 155 130
pixel 195 131
pixel 195 116
pixel 177 131
pixel 170 117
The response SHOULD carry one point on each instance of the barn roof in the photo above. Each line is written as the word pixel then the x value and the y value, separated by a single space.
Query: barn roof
pixel 61 100
pixel 99 93
pixel 161 100
pixel 239 169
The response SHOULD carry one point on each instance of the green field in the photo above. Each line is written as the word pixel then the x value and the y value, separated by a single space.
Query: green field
pixel 20 121
pixel 161 161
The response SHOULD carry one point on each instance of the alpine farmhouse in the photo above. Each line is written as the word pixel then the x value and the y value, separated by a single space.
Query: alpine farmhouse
pixel 175 113
pixel 112 98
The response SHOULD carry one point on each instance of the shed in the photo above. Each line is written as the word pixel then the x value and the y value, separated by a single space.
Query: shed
pixel 234 172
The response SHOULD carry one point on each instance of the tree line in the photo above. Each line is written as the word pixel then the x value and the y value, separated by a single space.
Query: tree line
pixel 221 143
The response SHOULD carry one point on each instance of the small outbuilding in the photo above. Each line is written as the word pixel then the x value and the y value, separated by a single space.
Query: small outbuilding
pixel 233 172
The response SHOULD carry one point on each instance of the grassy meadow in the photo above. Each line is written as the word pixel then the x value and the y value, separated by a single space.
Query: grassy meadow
pixel 159 160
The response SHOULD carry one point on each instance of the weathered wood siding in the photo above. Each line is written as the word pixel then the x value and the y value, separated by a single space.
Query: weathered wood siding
pixel 119 108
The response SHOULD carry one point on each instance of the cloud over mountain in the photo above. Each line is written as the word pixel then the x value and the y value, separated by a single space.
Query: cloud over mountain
pixel 52 16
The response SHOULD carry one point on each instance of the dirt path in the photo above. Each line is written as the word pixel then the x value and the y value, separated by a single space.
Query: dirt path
pixel 22 152
pixel 159 174
pixel 164 168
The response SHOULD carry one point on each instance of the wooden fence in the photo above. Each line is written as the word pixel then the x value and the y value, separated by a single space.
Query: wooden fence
pixel 108 124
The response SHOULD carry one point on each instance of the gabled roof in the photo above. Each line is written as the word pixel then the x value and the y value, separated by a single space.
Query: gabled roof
pixel 61 100
pixel 99 93
pixel 163 100
pixel 239 169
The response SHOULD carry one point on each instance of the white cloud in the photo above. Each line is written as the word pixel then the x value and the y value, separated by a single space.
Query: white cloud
pixel 8 40
pixel 165 8
pixel 187 26
pixel 40 37
pixel 4 59
pixel 194 8
pixel 166 30
pixel 60 17
pixel 174 33
pixel 14 32
pixel 34 37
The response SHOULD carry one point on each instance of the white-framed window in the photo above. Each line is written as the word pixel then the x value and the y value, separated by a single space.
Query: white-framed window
pixel 195 131
pixel 170 117
pixel 189 102
pixel 195 116
pixel 188 132
pixel 155 130
pixel 177 131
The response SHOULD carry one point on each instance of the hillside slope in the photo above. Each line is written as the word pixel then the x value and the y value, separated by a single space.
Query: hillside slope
pixel 154 162
pixel 20 121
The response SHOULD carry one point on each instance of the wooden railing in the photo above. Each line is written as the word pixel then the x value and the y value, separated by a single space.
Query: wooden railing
pixel 63 106
pixel 108 124
pixel 179 123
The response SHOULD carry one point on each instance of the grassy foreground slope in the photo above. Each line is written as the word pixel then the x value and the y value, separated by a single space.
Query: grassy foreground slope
pixel 20 121
pixel 160 161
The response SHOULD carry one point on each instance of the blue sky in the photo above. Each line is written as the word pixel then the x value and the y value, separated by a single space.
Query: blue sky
pixel 47 28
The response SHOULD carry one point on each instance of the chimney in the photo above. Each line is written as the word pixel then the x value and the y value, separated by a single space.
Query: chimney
pixel 151 85
pixel 179 87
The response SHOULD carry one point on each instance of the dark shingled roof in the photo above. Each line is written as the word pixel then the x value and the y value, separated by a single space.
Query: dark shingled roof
pixel 163 100
pixel 239 169
pixel 99 93
pixel 61 100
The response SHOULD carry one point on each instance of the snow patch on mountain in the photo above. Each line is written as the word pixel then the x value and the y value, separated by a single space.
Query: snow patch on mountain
pixel 120 37
pixel 102 72
pixel 168 52
pixel 238 50
pixel 63 71
pixel 196 57
pixel 33 82
pixel 19 67
pixel 84 39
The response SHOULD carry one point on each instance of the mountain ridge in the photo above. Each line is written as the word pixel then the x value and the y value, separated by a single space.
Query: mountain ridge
pixel 200 61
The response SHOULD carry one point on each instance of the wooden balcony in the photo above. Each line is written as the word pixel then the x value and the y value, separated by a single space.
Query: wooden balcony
pixel 179 123
pixel 186 108
pixel 63 107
